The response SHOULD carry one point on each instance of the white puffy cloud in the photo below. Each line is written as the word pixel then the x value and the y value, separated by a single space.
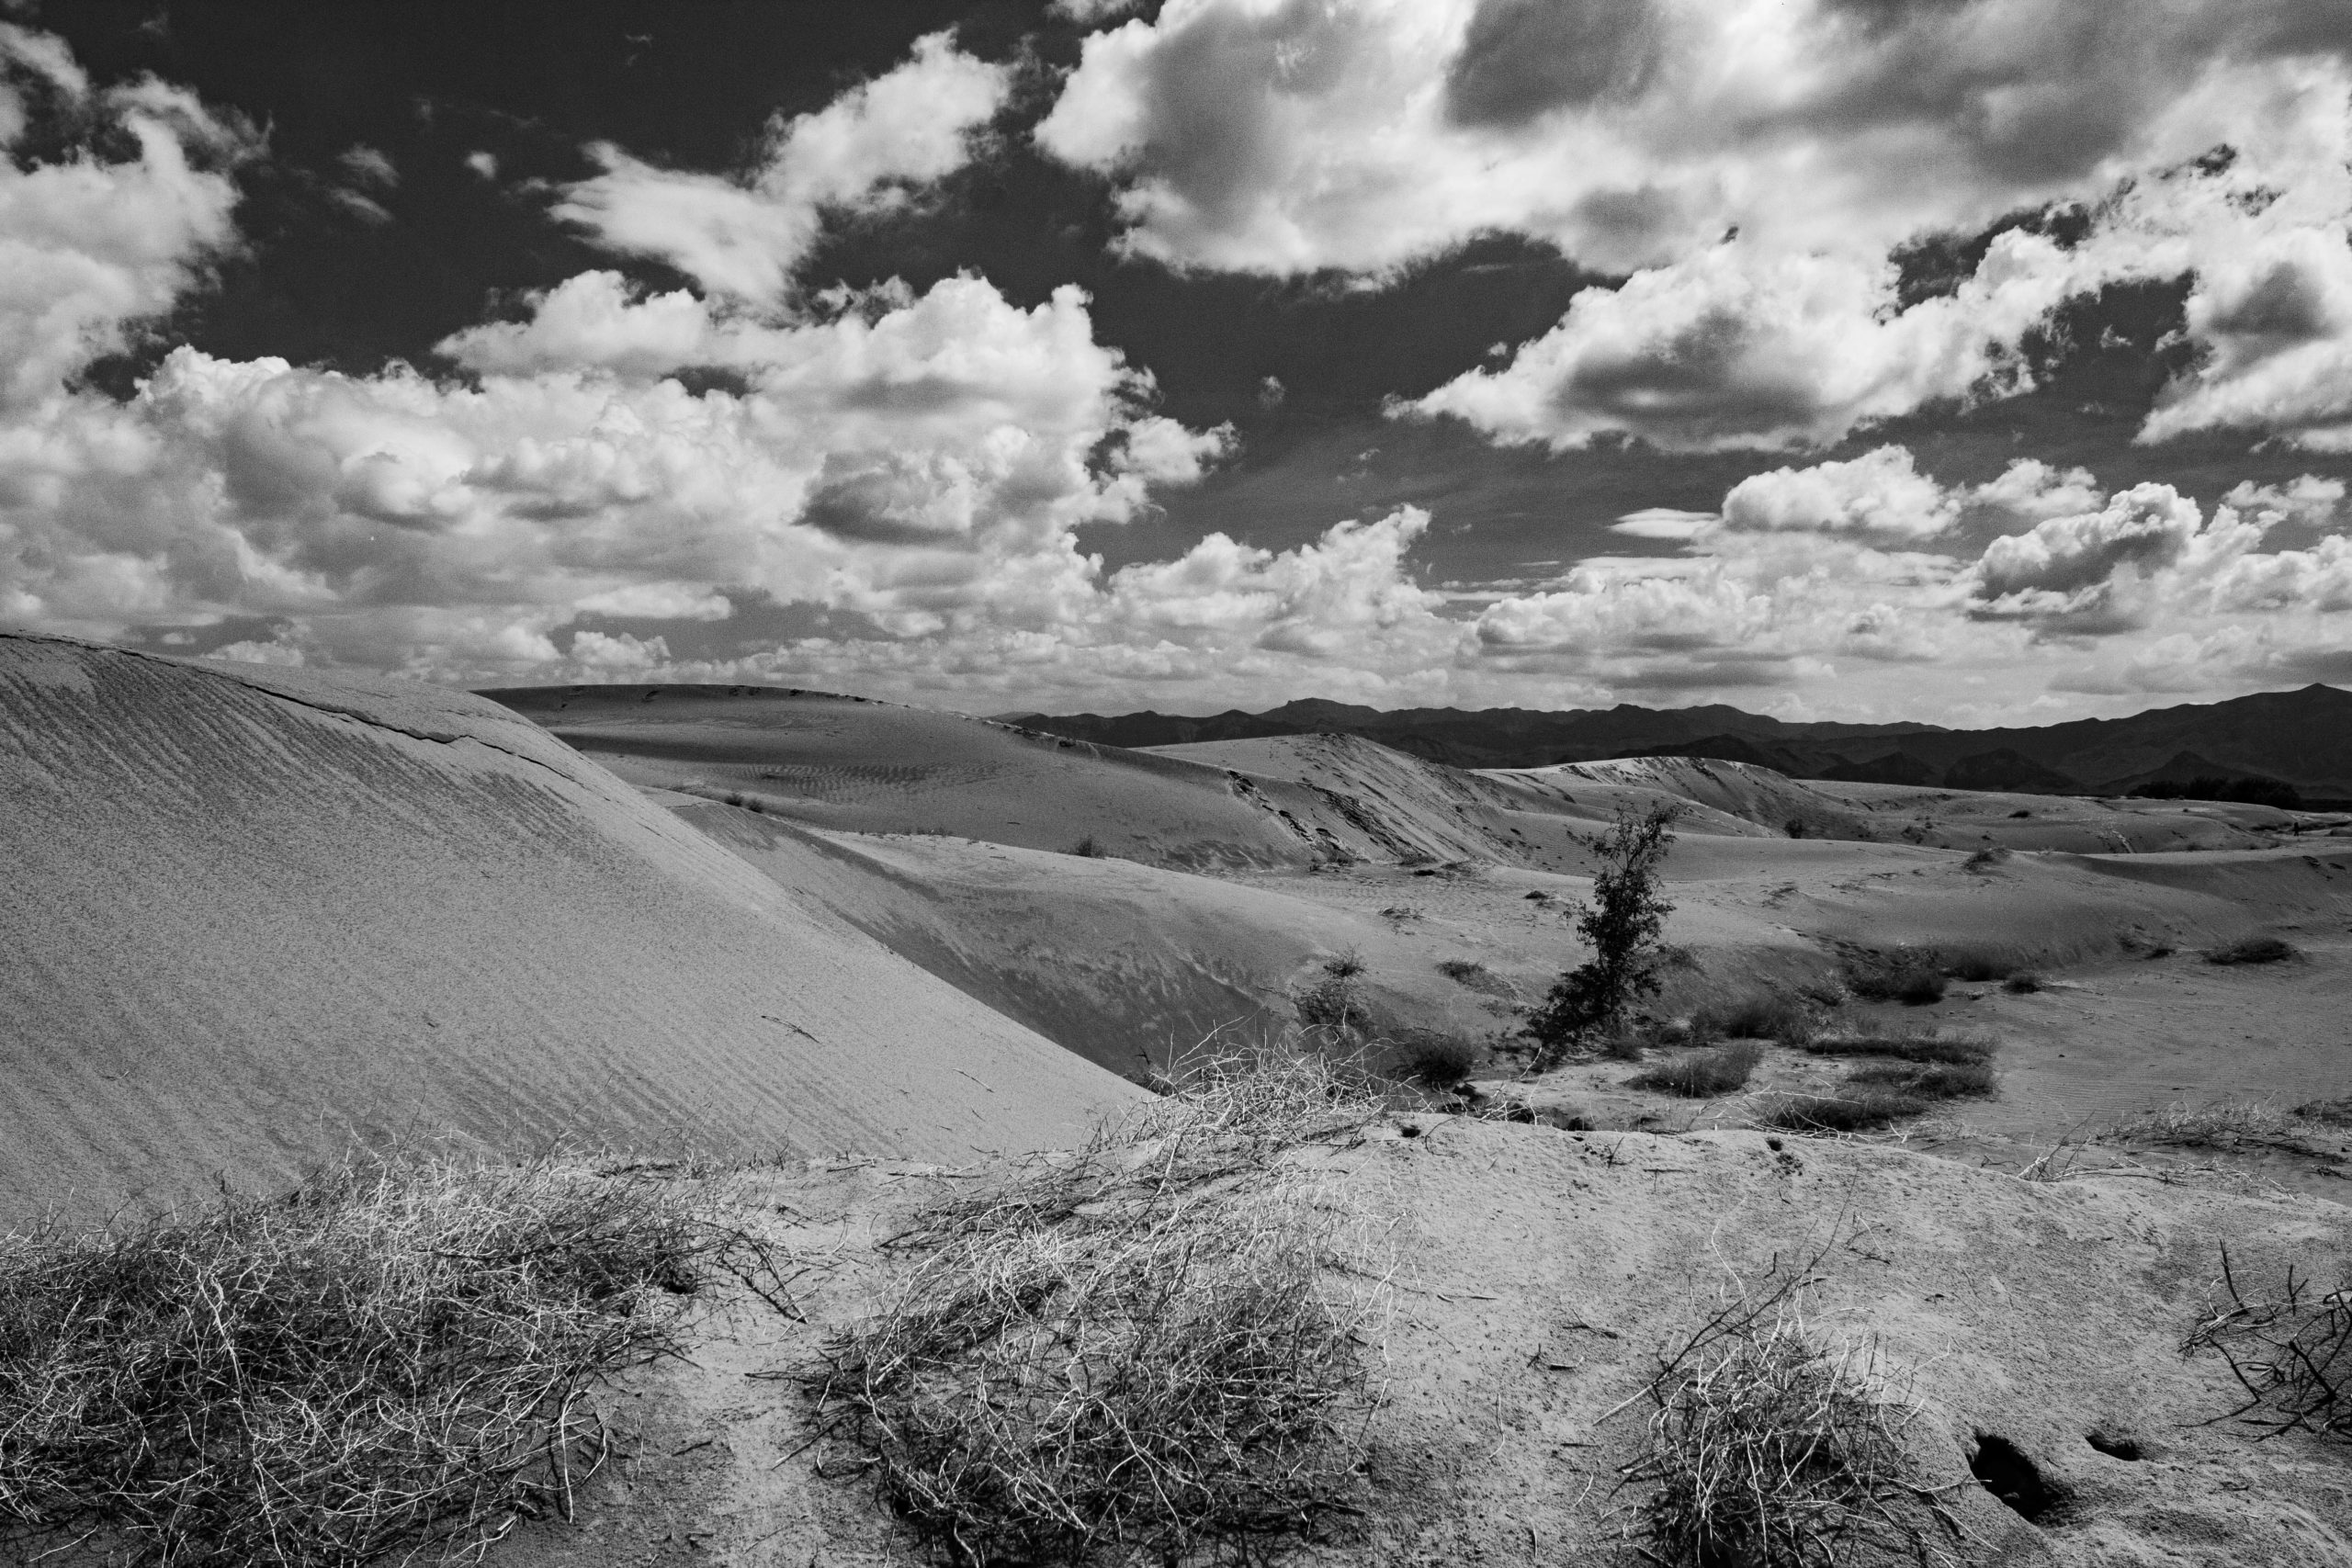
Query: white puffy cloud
pixel 1285 135
pixel 1879 493
pixel 90 245
pixel 740 238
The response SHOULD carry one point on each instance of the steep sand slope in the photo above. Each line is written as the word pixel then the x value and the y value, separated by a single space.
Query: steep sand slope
pixel 1534 1276
pixel 846 764
pixel 252 913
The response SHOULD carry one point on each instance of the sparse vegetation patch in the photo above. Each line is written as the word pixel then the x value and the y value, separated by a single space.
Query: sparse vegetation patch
pixel 1966 1080
pixel 1861 1110
pixel 390 1362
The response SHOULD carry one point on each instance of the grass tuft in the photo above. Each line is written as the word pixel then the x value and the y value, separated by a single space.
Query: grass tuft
pixel 2218 1125
pixel 2252 950
pixel 1770 1449
pixel 1135 1351
pixel 392 1360
pixel 1701 1075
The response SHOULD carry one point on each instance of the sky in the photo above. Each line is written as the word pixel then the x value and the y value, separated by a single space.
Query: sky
pixel 1978 362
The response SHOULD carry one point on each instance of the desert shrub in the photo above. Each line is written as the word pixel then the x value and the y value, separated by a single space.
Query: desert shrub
pixel 2022 982
pixel 1768 1450
pixel 1986 858
pixel 1858 1111
pixel 1701 1075
pixel 2290 1352
pixel 1910 978
pixel 1474 975
pixel 1924 1045
pixel 1756 1015
pixel 1136 1351
pixel 1432 1059
pixel 1089 848
pixel 1962 1080
pixel 2251 949
pixel 1621 924
pixel 1331 1002
pixel 391 1361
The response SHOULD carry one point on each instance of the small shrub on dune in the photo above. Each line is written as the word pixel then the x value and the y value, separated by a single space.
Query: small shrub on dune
pixel 2221 1124
pixel 1089 847
pixel 1986 858
pixel 390 1362
pixel 1331 1002
pixel 2251 949
pixel 1907 978
pixel 1702 1074
pixel 2023 982
pixel 1924 1046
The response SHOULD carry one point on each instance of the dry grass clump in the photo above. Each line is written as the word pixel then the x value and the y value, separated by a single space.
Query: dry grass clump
pixel 1474 975
pixel 1333 1002
pixel 2252 950
pixel 1137 1352
pixel 2291 1353
pixel 1701 1075
pixel 1978 964
pixel 1429 1057
pixel 2220 1123
pixel 1756 1015
pixel 392 1360
pixel 1770 1449
pixel 1909 1045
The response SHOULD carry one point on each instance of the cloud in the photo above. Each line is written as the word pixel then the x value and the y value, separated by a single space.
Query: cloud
pixel 369 166
pixel 1878 494
pixel 91 245
pixel 740 238
pixel 1287 137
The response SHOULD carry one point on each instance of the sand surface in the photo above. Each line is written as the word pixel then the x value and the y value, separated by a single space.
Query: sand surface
pixel 1533 1276
pixel 254 915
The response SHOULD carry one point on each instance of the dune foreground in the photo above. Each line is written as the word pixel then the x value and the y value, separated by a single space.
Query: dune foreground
pixel 870 989
pixel 255 915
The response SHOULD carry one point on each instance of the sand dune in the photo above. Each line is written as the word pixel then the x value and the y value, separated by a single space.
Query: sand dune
pixel 255 913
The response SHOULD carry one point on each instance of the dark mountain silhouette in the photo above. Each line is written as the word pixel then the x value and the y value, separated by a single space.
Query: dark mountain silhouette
pixel 2302 737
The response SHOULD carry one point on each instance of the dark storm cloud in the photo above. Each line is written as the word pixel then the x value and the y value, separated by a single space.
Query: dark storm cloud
pixel 1522 59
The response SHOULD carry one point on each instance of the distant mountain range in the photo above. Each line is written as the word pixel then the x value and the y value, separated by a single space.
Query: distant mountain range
pixel 2302 737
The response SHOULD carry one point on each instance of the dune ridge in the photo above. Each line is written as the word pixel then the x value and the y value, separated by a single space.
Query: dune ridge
pixel 257 914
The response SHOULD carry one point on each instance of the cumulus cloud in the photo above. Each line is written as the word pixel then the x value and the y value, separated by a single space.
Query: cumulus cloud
pixel 92 245
pixel 741 237
pixel 1285 135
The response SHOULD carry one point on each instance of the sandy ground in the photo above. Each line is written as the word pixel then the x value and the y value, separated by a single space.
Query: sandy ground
pixel 1535 1275
pixel 255 916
